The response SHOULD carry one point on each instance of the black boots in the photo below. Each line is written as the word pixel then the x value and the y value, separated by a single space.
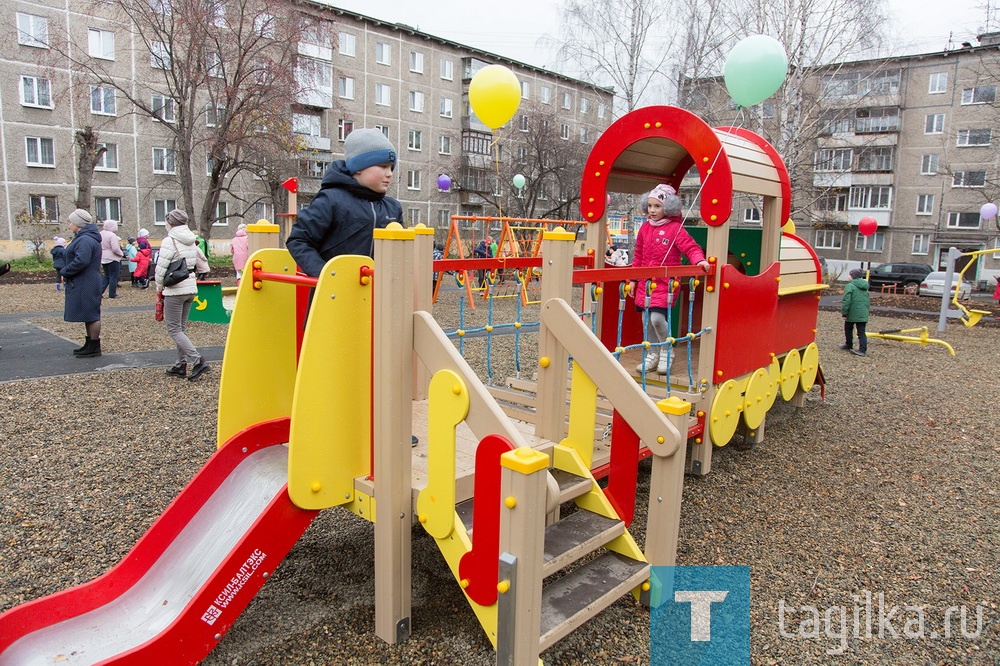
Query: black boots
pixel 178 370
pixel 198 368
pixel 91 349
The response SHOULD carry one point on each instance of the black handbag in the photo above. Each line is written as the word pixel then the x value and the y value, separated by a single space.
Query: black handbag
pixel 177 272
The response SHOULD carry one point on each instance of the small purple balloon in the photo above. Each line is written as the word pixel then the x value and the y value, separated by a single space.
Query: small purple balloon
pixel 988 211
pixel 444 182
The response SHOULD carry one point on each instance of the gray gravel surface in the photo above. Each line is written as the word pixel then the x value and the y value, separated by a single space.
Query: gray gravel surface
pixel 887 486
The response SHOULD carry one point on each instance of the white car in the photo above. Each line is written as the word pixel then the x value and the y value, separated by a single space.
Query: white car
pixel 933 285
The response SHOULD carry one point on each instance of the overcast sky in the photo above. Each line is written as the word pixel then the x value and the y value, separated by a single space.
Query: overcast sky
pixel 513 28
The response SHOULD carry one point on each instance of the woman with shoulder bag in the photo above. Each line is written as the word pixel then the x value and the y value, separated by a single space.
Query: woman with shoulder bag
pixel 180 243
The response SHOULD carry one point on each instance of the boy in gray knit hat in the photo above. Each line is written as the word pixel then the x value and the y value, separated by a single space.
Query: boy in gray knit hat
pixel 351 203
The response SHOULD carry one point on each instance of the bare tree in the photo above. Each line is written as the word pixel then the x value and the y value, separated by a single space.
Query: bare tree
pixel 222 86
pixel 89 152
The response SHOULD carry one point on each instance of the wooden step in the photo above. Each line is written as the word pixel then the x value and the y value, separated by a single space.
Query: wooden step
pixel 575 536
pixel 583 593
pixel 571 486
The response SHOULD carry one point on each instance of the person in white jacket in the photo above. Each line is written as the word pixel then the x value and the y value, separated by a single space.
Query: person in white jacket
pixel 177 299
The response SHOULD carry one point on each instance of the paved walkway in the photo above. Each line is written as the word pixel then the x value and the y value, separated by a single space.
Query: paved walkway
pixel 29 352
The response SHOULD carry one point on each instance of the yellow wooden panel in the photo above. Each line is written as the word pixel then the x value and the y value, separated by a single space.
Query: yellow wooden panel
pixel 447 406
pixel 258 369
pixel 331 412
pixel 582 414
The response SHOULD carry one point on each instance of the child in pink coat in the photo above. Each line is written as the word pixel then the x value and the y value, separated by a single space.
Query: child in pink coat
pixel 241 250
pixel 662 241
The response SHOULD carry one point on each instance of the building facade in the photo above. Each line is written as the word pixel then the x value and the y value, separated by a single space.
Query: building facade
pixel 353 71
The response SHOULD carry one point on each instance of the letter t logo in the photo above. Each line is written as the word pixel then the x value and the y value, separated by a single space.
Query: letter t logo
pixel 701 610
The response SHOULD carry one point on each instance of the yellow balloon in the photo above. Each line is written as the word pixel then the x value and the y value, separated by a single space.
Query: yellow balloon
pixel 495 95
pixel 789 227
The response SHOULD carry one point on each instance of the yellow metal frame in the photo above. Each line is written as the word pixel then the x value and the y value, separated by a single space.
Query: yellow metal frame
pixel 923 339
pixel 969 317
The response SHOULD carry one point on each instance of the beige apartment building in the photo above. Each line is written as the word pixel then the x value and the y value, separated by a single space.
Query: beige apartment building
pixel 908 141
pixel 358 71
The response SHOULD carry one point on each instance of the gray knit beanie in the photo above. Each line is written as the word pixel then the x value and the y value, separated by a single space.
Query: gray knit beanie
pixel 80 217
pixel 177 217
pixel 856 273
pixel 364 148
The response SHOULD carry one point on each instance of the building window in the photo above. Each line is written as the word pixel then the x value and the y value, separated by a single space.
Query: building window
pixel 583 135
pixel 108 208
pixel 32 30
pixel 444 218
pixel 929 165
pixel 315 81
pixel 160 209
pixel 868 197
pixel 416 101
pixel 215 115
pixel 567 101
pixel 968 179
pixel 414 141
pixel 525 90
pixel 934 123
pixel 938 83
pixel 163 108
pixel 344 129
pixel 159 55
pixel 102 100
pixel 39 152
pixel 564 131
pixel 384 129
pixel 102 44
pixel 108 161
pixel 348 44
pixel 416 62
pixel 303 123
pixel 601 110
pixel 751 215
pixel 412 180
pixel 36 91
pixel 875 158
pixel 214 66
pixel 963 220
pixel 46 205
pixel 447 70
pixel 164 161
pixel 413 215
pixel 921 244
pixel 447 107
pixel 346 89
pixel 835 122
pixel 829 240
pixel 383 53
pixel 834 201
pixel 444 145
pixel 925 204
pixel 522 155
pixel 975 137
pixel 833 159
pixel 263 25
pixel 868 121
pixel 262 210
pixel 584 105
pixel 873 243
pixel 522 122
pixel 316 41
pixel 382 96
pixel 979 95
pixel 221 214
pixel 546 95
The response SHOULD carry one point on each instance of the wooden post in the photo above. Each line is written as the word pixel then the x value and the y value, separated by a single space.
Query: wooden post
pixel 392 399
pixel 423 296
pixel 522 536
pixel 666 486
pixel 260 235
pixel 557 282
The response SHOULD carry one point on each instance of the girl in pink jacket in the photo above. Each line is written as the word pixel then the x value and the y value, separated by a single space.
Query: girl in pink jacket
pixel 661 241
pixel 241 250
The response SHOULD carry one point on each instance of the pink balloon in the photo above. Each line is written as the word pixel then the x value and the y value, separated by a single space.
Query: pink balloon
pixel 988 211
pixel 867 226
pixel 608 201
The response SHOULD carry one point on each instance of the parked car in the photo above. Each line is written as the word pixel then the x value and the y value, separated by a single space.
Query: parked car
pixel 933 285
pixel 899 274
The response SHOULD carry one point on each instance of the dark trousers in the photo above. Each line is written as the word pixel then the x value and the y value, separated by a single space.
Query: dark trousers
pixel 849 327
pixel 110 280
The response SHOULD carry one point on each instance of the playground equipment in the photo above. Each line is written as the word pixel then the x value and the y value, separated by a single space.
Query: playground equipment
pixel 969 317
pixel 922 339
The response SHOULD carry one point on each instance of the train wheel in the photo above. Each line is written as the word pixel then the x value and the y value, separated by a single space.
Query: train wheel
pixel 790 374
pixel 725 416
pixel 755 401
pixel 773 382
pixel 810 366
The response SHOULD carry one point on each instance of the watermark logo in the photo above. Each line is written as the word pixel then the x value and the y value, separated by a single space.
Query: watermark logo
pixel 704 617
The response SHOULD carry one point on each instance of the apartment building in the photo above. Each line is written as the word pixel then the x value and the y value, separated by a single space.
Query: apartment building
pixel 908 141
pixel 354 71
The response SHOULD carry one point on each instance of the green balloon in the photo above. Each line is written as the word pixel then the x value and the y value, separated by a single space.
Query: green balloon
pixel 518 181
pixel 755 69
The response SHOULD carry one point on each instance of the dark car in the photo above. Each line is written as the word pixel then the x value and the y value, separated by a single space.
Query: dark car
pixel 899 274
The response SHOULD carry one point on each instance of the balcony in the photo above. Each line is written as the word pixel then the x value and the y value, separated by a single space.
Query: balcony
pixel 316 142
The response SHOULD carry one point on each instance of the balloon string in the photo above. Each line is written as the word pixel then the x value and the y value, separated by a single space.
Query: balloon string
pixel 496 161
pixel 741 118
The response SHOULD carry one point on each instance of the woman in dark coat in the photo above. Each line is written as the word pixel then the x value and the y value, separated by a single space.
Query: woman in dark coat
pixel 83 280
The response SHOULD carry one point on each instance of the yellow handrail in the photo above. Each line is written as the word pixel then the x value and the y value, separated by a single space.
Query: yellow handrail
pixel 924 338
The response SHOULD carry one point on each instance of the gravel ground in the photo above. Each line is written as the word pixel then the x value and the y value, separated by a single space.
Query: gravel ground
pixel 888 486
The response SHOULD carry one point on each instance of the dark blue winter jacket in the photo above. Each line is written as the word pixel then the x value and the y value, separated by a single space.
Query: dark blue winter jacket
pixel 83 276
pixel 58 257
pixel 340 220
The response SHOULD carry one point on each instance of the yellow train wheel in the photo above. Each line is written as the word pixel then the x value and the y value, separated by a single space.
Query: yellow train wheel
pixel 790 374
pixel 755 401
pixel 773 382
pixel 725 416
pixel 810 366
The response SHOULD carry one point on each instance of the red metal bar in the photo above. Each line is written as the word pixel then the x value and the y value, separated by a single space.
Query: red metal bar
pixel 620 274
pixel 303 280
pixel 495 263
